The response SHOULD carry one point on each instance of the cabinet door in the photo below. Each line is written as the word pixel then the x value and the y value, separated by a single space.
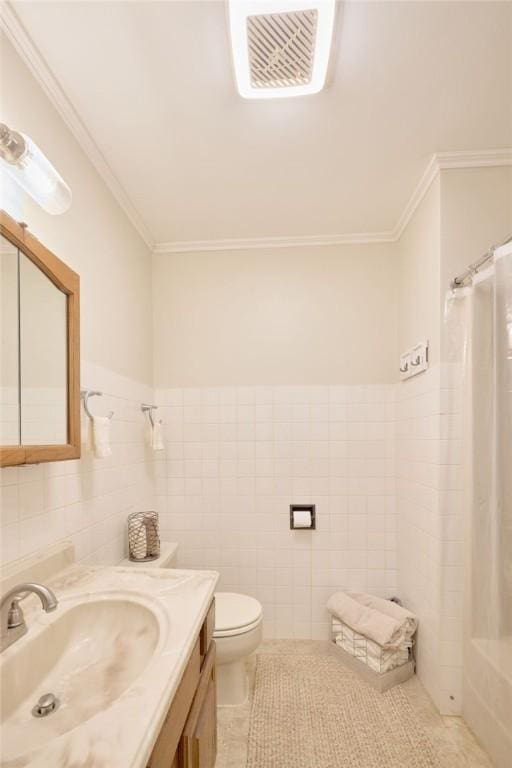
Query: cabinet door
pixel 199 740
pixel 205 736
pixel 165 751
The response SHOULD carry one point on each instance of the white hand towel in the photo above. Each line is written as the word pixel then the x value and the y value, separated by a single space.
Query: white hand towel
pixel 157 436
pixel 101 436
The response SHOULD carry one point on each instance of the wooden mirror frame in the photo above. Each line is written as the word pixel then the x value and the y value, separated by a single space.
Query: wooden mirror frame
pixel 69 283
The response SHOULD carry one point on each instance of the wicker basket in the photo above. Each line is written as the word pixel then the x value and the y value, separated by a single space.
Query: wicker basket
pixel 372 654
pixel 143 536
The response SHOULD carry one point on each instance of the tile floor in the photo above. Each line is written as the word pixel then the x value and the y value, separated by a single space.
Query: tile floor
pixel 455 744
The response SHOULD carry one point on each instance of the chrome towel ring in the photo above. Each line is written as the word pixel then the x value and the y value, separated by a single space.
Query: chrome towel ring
pixel 85 394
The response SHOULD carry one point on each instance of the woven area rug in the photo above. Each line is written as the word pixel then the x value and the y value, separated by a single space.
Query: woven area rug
pixel 312 712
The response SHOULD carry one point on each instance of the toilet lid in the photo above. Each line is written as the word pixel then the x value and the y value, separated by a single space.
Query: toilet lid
pixel 233 611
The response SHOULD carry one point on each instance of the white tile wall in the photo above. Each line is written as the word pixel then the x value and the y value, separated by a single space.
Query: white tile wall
pixel 430 538
pixel 236 458
pixel 379 462
pixel 419 545
pixel 453 532
pixel 87 500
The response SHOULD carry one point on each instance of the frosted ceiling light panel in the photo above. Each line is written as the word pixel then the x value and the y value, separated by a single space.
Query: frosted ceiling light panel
pixel 280 49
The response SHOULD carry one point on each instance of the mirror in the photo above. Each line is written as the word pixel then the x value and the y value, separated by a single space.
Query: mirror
pixel 43 358
pixel 9 341
pixel 39 357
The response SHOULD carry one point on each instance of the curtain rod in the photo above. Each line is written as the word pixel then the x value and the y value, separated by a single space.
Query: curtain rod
pixel 473 268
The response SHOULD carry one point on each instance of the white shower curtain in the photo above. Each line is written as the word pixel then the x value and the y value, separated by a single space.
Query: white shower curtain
pixel 478 325
pixel 491 543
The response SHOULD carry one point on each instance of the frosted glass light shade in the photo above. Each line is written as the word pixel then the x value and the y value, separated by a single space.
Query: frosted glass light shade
pixel 37 176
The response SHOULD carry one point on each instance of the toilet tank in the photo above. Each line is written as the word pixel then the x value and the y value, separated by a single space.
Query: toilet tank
pixel 167 559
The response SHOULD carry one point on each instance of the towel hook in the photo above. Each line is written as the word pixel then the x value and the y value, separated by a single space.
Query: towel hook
pixel 85 394
pixel 145 408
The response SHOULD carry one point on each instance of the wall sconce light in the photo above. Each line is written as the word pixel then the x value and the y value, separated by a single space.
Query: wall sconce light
pixel 28 166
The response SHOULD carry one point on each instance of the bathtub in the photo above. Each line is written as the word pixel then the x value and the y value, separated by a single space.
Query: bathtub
pixel 487 695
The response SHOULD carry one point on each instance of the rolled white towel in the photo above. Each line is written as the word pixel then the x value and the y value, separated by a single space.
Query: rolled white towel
pixel 139 551
pixel 408 620
pixel 101 436
pixel 385 630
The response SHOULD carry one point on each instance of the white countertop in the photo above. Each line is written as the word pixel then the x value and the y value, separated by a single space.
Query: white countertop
pixel 123 734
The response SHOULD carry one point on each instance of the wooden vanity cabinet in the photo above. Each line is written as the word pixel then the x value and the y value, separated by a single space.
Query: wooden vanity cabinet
pixel 188 737
pixel 198 746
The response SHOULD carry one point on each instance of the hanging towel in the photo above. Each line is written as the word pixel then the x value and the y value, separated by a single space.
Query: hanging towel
pixel 101 436
pixel 389 631
pixel 157 436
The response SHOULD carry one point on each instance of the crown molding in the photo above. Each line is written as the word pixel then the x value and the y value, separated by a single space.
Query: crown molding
pixel 474 159
pixel 244 244
pixel 440 161
pixel 30 55
pixel 419 192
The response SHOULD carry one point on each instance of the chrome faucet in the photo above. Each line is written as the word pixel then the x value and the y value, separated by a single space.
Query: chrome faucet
pixel 13 624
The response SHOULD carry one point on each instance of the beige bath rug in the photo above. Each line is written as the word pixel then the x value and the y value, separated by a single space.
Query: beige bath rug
pixel 312 712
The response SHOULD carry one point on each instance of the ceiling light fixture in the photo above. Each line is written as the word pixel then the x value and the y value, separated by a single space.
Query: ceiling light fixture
pixel 280 48
pixel 31 169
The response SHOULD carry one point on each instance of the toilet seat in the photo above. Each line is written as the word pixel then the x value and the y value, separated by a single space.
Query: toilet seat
pixel 235 614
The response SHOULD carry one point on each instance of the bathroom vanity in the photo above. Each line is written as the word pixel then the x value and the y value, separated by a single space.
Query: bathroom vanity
pixel 129 655
pixel 188 737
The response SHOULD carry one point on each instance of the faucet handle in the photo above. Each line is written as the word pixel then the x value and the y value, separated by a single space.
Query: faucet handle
pixel 12 624
pixel 15 617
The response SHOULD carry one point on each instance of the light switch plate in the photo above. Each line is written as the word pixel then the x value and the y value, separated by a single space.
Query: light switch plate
pixel 414 361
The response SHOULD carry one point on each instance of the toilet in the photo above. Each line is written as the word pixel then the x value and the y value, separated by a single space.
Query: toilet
pixel 167 559
pixel 238 632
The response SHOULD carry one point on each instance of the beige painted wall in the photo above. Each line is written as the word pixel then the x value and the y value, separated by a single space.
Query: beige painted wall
pixel 282 316
pixel 476 212
pixel 464 212
pixel 419 276
pixel 94 237
pixel 85 501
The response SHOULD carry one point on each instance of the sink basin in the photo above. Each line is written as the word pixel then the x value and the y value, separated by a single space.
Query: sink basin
pixel 87 656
